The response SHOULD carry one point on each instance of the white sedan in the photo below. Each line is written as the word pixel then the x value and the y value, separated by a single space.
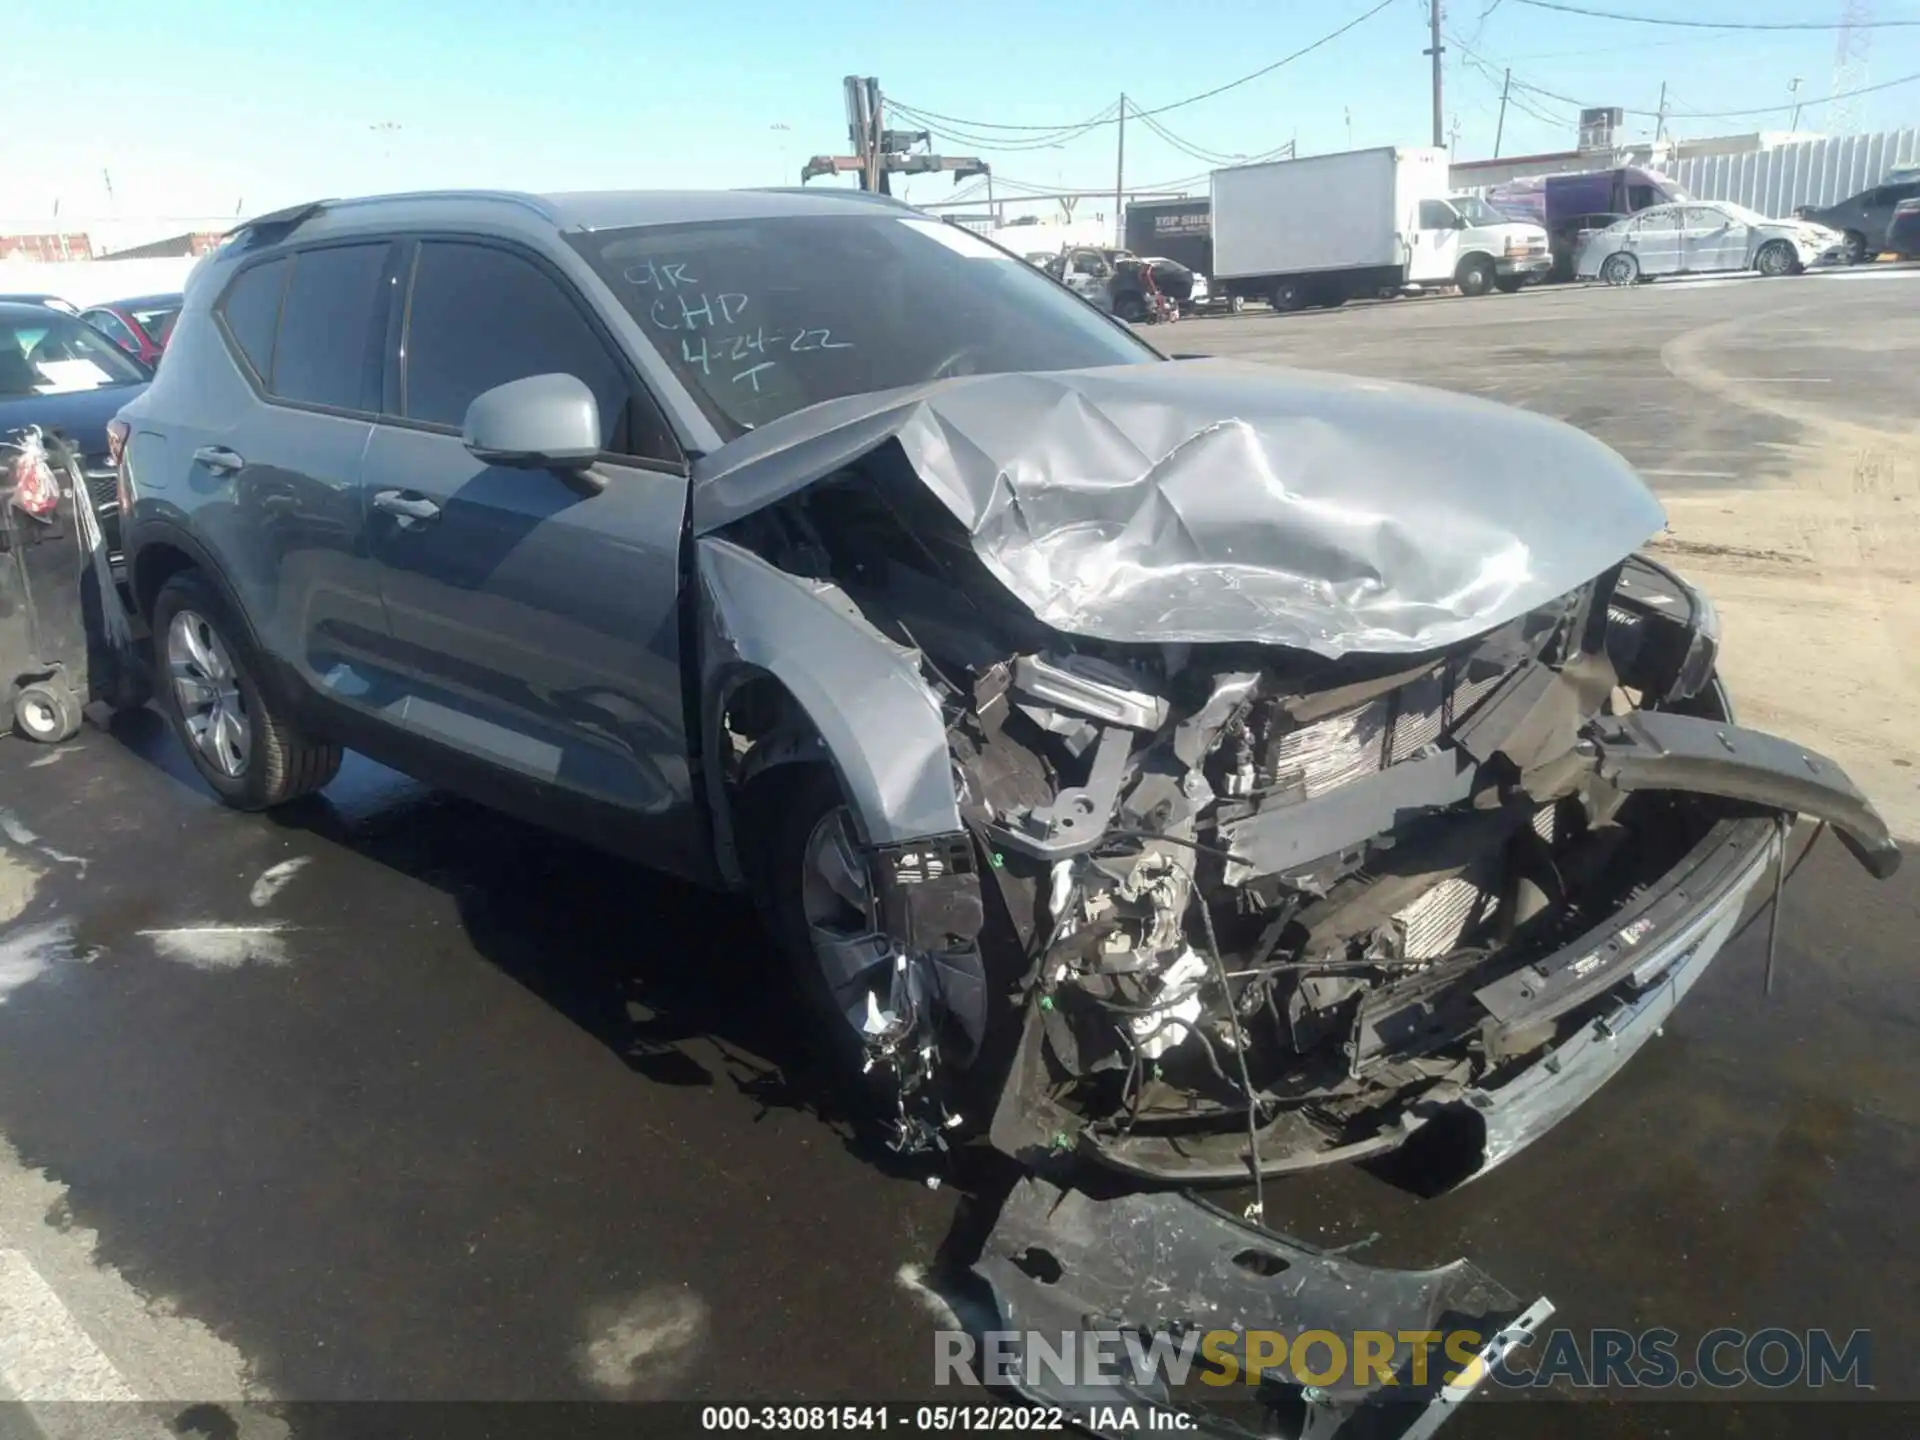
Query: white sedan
pixel 1699 236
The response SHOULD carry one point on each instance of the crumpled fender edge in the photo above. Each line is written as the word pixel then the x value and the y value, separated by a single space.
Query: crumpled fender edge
pixel 881 725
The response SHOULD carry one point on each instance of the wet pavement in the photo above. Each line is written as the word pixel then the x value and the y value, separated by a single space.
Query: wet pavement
pixel 395 1098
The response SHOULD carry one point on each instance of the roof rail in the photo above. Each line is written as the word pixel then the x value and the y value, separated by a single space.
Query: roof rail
pixel 838 193
pixel 537 204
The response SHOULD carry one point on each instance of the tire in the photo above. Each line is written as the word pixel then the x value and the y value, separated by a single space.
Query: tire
pixel 1510 284
pixel 1132 309
pixel 794 804
pixel 1856 253
pixel 1287 296
pixel 265 759
pixel 1620 268
pixel 1475 275
pixel 46 712
pixel 1776 258
pixel 1236 303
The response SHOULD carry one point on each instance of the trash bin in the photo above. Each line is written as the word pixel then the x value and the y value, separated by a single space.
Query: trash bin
pixel 64 634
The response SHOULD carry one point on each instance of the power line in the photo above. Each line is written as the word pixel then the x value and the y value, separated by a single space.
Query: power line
pixel 1563 9
pixel 1487 66
pixel 1174 105
pixel 935 125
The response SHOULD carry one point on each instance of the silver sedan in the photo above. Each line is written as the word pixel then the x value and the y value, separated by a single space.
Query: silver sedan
pixel 1700 237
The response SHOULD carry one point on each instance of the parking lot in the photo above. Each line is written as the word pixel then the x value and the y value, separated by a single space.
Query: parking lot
pixel 390 1098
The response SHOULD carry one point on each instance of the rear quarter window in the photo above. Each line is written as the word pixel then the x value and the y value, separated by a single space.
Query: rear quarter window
pixel 250 311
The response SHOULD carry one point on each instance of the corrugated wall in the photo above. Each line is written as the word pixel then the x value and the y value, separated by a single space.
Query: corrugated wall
pixel 1811 172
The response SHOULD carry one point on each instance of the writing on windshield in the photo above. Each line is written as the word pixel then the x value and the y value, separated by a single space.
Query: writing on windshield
pixel 713 327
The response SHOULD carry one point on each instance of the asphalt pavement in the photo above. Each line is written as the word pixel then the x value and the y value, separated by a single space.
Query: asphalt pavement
pixel 391 1098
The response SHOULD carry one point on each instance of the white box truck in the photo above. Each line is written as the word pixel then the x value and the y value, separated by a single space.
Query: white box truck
pixel 1325 229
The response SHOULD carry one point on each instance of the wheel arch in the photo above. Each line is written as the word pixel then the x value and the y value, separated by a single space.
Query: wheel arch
pixel 165 550
pixel 813 681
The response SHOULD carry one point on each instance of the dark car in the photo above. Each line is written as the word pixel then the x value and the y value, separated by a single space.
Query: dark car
pixel 1864 218
pixel 139 326
pixel 1903 232
pixel 1187 765
pixel 65 376
pixel 51 302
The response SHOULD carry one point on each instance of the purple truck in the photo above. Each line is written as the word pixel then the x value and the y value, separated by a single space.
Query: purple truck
pixel 1569 206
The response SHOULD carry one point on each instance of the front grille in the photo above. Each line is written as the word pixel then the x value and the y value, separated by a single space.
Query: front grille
pixel 103 489
pixel 103 486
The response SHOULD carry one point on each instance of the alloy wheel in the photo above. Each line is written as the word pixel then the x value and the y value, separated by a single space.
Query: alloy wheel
pixel 207 688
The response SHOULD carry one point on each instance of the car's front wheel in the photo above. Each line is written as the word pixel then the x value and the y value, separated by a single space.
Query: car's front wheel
pixel 1475 276
pixel 1856 248
pixel 242 740
pixel 1776 258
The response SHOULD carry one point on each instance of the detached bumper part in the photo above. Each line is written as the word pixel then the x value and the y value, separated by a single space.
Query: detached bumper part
pixel 1652 750
pixel 1060 1262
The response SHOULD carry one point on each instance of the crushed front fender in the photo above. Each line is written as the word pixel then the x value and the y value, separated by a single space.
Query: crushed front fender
pixel 1060 1264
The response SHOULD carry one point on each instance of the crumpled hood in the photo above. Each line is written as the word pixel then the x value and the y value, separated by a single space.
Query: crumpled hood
pixel 1216 502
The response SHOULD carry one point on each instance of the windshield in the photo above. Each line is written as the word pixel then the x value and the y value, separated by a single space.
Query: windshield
pixel 1478 212
pixel 761 317
pixel 50 355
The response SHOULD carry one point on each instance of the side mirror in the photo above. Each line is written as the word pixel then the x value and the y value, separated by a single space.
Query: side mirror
pixel 544 422
pixel 1459 221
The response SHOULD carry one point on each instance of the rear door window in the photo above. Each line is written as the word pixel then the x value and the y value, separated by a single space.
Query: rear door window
pixel 250 311
pixel 331 323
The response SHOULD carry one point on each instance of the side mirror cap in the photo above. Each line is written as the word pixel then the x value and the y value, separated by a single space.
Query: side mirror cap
pixel 543 422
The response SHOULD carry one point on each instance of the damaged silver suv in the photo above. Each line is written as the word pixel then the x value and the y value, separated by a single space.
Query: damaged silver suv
pixel 1201 769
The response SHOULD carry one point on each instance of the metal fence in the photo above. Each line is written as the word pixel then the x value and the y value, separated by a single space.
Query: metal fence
pixel 1808 172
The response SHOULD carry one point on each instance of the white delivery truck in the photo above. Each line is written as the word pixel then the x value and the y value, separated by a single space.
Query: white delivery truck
pixel 1327 228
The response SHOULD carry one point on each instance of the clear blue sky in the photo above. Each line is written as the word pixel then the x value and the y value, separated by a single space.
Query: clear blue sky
pixel 199 106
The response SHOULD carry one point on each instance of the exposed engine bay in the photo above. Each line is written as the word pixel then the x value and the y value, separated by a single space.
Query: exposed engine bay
pixel 1253 906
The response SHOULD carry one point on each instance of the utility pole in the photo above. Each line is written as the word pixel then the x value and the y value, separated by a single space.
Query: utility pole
pixel 1435 49
pixel 1120 177
pixel 1660 115
pixel 1793 89
pixel 1500 126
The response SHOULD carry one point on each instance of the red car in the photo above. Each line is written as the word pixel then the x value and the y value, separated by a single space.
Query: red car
pixel 140 326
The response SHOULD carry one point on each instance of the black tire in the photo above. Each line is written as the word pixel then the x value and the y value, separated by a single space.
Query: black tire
pixel 283 762
pixel 1475 275
pixel 46 712
pixel 1236 303
pixel 784 807
pixel 1131 308
pixel 1776 258
pixel 1856 248
pixel 1287 296
pixel 1510 284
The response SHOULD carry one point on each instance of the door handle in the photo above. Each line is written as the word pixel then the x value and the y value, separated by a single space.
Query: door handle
pixel 408 508
pixel 219 459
